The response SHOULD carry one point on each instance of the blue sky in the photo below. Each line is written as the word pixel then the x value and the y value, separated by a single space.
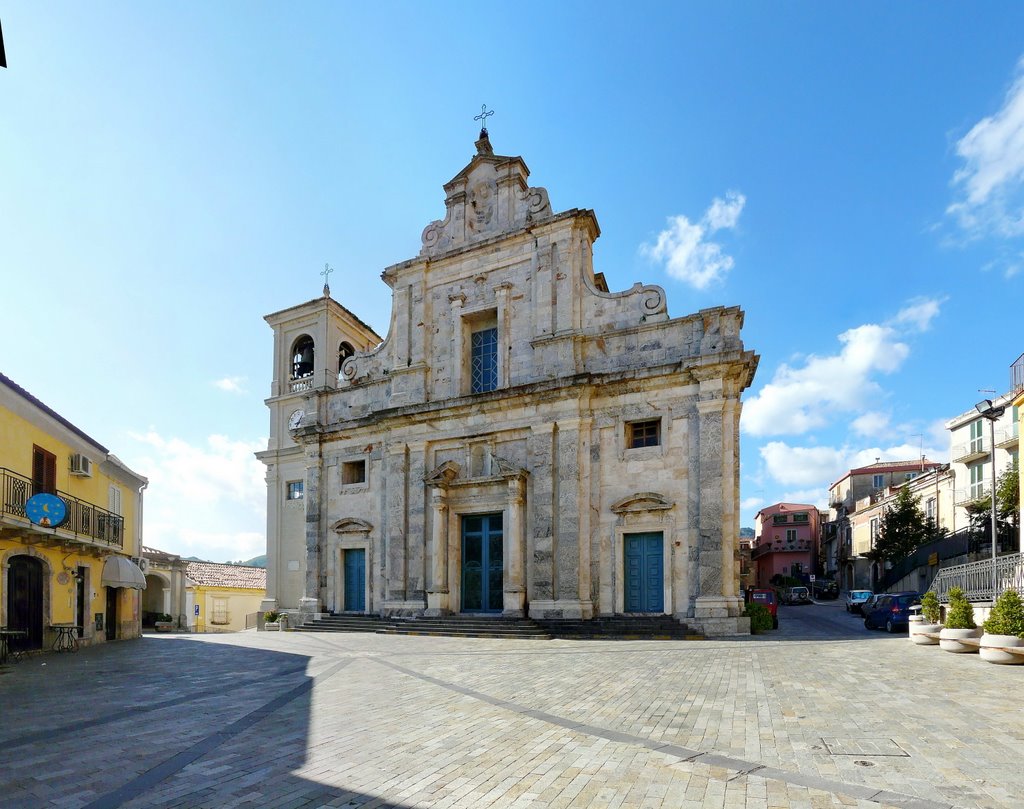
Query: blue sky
pixel 852 175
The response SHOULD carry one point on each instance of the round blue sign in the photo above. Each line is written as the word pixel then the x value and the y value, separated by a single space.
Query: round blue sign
pixel 46 510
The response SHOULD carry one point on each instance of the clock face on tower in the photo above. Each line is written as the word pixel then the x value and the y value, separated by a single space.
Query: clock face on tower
pixel 294 419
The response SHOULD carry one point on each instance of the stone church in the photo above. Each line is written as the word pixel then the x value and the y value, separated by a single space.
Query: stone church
pixel 523 442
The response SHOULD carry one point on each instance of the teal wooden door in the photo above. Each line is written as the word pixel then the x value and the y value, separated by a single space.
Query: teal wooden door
pixel 482 563
pixel 645 589
pixel 355 580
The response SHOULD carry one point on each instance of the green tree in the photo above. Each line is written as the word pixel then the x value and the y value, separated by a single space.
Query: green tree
pixel 903 528
pixel 1007 505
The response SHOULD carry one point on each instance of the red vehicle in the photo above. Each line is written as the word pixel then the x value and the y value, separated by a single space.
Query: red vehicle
pixel 767 599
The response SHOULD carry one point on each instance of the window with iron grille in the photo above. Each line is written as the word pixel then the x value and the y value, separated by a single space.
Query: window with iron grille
pixel 295 489
pixel 484 360
pixel 643 433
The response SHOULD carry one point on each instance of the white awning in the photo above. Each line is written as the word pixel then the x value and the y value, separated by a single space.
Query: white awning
pixel 121 572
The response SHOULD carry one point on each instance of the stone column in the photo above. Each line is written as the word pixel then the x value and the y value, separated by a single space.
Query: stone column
pixel 515 582
pixel 309 604
pixel 396 467
pixel 438 597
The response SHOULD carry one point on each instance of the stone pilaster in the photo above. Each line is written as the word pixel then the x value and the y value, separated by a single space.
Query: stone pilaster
pixel 540 576
pixel 309 604
pixel 274 495
pixel 515 581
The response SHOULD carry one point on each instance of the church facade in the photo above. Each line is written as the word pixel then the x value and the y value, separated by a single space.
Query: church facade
pixel 522 443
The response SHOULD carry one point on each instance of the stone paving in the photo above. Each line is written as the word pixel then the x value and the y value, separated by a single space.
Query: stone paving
pixel 819 714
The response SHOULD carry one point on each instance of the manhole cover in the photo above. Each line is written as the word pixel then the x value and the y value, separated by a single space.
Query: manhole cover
pixel 863 747
pixel 864 763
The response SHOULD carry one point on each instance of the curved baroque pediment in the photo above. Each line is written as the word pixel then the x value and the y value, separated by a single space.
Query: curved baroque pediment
pixel 351 525
pixel 642 501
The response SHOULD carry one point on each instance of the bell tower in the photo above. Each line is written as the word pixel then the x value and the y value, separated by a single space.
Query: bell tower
pixel 311 343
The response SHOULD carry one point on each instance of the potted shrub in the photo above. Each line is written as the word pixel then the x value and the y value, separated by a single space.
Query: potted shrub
pixel 164 622
pixel 1004 627
pixel 959 624
pixel 927 621
pixel 271 621
pixel 760 618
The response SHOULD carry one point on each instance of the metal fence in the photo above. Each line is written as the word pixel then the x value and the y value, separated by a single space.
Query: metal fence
pixel 975 578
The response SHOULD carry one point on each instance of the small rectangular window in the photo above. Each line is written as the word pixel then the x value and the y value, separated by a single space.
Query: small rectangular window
pixel 44 471
pixel 799 518
pixel 643 433
pixel 220 611
pixel 790 535
pixel 484 360
pixel 780 519
pixel 353 472
pixel 878 481
pixel 295 489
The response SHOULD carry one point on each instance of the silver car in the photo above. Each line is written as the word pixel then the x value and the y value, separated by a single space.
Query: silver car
pixel 855 599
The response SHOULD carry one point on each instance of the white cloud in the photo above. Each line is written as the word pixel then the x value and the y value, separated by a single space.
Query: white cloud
pixel 802 466
pixel 871 424
pixel 814 497
pixel 991 181
pixel 919 313
pixel 800 399
pixel 231 384
pixel 685 250
pixel 749 503
pixel 208 500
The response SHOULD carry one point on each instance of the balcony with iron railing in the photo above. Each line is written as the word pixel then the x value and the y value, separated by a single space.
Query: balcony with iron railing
pixel 962 496
pixel 1008 437
pixel 86 522
pixel 970 450
pixel 1017 375
pixel 781 546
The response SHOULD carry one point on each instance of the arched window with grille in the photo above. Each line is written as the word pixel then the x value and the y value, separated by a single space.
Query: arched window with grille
pixel 302 357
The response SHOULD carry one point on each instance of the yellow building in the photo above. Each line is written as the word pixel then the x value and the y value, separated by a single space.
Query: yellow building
pixel 70 528
pixel 220 596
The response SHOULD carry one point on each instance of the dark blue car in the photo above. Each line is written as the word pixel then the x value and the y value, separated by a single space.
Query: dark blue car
pixel 891 611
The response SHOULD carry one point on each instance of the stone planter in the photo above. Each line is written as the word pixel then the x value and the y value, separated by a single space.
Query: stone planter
pixel 918 626
pixel 272 627
pixel 948 640
pixel 164 626
pixel 997 656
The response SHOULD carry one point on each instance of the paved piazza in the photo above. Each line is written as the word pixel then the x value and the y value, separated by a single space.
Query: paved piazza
pixel 819 714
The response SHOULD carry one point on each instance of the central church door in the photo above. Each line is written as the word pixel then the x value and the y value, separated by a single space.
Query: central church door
pixel 645 589
pixel 355 580
pixel 482 563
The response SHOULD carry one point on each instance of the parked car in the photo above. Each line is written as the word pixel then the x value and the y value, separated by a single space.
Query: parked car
pixel 768 600
pixel 869 605
pixel 796 595
pixel 824 588
pixel 892 611
pixel 855 599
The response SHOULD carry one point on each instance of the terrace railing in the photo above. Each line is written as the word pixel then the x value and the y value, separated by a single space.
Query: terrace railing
pixel 975 578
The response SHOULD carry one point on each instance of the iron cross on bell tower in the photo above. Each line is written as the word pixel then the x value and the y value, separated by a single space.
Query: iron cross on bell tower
pixel 327 270
pixel 482 118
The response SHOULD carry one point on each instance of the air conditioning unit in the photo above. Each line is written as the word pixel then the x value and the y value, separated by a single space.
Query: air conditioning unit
pixel 142 562
pixel 80 465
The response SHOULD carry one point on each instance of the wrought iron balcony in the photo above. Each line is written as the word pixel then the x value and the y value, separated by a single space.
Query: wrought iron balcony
pixel 1008 437
pixel 85 521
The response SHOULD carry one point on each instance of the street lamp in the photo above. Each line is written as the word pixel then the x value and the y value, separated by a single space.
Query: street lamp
pixel 989 411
